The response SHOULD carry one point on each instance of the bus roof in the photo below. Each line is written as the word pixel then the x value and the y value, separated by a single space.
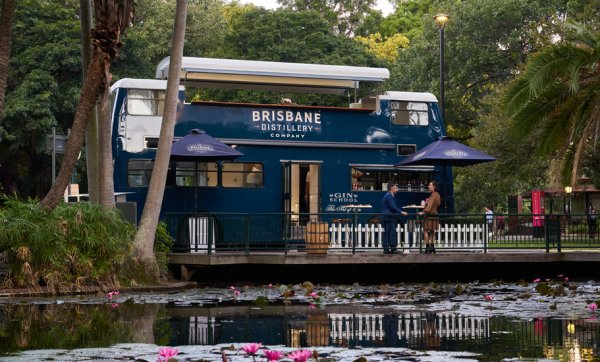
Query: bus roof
pixel 141 84
pixel 408 96
pixel 263 75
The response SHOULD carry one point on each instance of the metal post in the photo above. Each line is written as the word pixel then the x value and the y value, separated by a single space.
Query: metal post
pixel 441 19
pixel 442 100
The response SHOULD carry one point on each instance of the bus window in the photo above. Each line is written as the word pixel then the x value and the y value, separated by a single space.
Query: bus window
pixel 376 178
pixel 139 172
pixel 410 113
pixel 242 174
pixel 206 176
pixel 144 102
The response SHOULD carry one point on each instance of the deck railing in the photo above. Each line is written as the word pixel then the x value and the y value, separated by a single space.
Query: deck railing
pixel 320 234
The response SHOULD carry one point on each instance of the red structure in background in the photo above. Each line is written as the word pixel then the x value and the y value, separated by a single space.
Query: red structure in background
pixel 537 207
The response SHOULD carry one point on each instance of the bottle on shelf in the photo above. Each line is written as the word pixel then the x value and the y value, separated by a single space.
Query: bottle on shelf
pixel 422 186
pixel 409 186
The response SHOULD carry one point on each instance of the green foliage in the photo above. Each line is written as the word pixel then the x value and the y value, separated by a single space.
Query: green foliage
pixel 495 180
pixel 80 245
pixel 287 36
pixel 385 49
pixel 163 243
pixel 67 326
pixel 407 19
pixel 43 86
pixel 343 16
pixel 148 41
pixel 486 43
pixel 557 99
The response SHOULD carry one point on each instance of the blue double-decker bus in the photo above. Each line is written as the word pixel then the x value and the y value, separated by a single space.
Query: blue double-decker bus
pixel 297 159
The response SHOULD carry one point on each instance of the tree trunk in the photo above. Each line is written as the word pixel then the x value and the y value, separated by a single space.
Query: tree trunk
pixel 106 182
pixel 91 137
pixel 95 82
pixel 6 16
pixel 144 238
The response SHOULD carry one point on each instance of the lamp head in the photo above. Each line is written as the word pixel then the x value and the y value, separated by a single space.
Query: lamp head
pixel 568 189
pixel 441 19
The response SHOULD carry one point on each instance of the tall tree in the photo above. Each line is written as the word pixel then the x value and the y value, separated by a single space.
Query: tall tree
pixel 111 19
pixel 144 238
pixel 6 16
pixel 91 136
pixel 558 98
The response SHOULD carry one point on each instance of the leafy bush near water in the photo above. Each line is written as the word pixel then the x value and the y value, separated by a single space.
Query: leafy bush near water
pixel 76 245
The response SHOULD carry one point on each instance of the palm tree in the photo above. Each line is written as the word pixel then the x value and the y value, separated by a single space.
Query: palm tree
pixel 144 238
pixel 557 99
pixel 111 18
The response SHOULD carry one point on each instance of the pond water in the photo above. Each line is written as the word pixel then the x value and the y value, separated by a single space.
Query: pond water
pixel 550 320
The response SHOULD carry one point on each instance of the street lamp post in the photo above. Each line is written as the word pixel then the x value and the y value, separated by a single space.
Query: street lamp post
pixel 441 19
pixel 568 190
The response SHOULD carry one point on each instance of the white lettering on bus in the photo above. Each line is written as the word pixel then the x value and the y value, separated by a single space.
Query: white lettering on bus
pixel 286 116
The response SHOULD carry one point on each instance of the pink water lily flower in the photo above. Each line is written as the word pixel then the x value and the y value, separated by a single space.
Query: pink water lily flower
pixel 112 294
pixel 167 353
pixel 566 279
pixel 489 297
pixel 592 307
pixel 300 355
pixel 537 280
pixel 251 348
pixel 314 295
pixel 273 355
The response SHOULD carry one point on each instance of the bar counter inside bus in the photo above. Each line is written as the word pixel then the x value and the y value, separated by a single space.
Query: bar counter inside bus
pixel 293 105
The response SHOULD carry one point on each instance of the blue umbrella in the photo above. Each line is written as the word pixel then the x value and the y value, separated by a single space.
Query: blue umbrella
pixel 200 146
pixel 446 152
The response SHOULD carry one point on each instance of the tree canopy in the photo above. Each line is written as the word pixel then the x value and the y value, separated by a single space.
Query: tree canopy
pixel 488 44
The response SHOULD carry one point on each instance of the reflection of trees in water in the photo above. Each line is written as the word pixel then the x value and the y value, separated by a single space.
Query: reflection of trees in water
pixel 71 326
pixel 78 326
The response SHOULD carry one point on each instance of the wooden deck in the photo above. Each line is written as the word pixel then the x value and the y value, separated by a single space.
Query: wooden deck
pixel 338 267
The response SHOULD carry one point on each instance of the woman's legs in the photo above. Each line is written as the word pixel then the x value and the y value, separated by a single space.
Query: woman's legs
pixel 428 237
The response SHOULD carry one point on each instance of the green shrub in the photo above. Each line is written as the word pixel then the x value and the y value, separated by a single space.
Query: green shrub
pixel 577 228
pixel 76 245
pixel 163 243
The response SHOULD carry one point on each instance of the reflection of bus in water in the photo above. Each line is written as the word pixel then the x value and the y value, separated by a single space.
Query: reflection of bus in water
pixel 416 330
pixel 296 158
pixel 495 337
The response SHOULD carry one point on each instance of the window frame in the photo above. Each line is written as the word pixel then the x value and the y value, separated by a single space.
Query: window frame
pixel 247 169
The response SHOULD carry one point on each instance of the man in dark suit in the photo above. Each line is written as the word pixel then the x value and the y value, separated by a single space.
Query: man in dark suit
pixel 390 219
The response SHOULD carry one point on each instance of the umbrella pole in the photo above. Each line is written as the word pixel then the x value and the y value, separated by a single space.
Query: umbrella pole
pixel 195 186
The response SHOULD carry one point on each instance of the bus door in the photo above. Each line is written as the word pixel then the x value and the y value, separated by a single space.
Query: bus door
pixel 301 193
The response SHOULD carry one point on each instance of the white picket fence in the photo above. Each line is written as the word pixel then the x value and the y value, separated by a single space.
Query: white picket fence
pixel 410 325
pixel 368 236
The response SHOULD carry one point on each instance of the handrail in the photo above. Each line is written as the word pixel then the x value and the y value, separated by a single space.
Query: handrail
pixel 356 233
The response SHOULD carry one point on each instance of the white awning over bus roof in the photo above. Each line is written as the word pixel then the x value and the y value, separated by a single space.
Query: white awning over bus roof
pixel 408 96
pixel 132 83
pixel 263 75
